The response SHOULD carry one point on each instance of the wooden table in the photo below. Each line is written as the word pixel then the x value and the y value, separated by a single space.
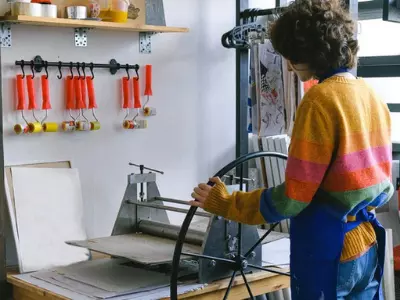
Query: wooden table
pixel 260 283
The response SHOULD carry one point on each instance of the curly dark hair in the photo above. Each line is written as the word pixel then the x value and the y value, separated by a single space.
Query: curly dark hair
pixel 319 33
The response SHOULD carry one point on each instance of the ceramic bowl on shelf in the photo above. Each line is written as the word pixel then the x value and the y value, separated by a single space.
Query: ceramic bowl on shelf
pixel 26 9
pixel 49 11
pixel 20 1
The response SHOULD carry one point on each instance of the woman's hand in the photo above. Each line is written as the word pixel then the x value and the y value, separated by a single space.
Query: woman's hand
pixel 201 192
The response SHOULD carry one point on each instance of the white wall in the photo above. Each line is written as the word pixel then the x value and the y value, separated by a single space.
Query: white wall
pixel 194 92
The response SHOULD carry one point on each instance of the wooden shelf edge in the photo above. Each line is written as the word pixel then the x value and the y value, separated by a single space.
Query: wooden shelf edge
pixel 129 26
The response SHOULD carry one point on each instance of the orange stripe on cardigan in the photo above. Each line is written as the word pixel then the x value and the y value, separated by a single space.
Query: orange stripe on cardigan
pixel 358 179
pixel 305 150
pixel 300 191
pixel 353 142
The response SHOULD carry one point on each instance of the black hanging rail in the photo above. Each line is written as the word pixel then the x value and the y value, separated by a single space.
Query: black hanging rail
pixel 254 12
pixel 38 64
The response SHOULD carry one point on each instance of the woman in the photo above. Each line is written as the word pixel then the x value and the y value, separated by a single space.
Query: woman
pixel 339 165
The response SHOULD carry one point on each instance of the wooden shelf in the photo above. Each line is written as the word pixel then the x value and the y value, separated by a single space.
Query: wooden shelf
pixel 51 22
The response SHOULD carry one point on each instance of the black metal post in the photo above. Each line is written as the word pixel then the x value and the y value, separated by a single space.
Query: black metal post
pixel 5 288
pixel 242 87
pixel 141 184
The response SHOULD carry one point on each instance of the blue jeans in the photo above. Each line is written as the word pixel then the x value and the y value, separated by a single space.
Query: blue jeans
pixel 356 280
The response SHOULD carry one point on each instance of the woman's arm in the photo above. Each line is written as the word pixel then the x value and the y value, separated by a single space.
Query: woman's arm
pixel 310 153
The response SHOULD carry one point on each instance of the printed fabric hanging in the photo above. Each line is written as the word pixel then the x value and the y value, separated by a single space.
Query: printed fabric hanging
pixel 268 115
pixel 274 92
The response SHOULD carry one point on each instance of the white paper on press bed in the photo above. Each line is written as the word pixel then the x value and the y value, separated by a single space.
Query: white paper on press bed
pixel 276 253
pixel 49 211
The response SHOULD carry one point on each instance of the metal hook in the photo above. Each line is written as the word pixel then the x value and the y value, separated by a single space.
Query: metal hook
pixel 91 70
pixel 59 76
pixel 137 114
pixel 83 116
pixel 127 71
pixel 32 68
pixel 46 63
pixel 45 117
pixel 136 70
pixel 70 114
pixel 77 68
pixel 23 117
pixel 34 116
pixel 70 69
pixel 127 113
pixel 94 115
pixel 22 68
pixel 83 70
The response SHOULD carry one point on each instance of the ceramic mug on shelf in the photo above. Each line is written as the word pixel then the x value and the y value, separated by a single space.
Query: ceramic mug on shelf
pixel 77 12
pixel 94 8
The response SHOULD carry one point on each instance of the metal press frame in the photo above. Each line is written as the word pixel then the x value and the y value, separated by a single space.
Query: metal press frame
pixel 5 289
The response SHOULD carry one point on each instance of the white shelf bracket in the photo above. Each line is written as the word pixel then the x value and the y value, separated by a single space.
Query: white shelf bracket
pixel 145 42
pixel 80 37
pixel 5 35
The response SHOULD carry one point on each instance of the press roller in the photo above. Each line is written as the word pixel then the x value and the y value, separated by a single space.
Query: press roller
pixel 143 233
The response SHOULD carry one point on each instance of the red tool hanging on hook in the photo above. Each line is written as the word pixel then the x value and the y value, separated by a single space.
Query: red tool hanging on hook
pixel 69 104
pixel 132 124
pixel 127 104
pixel 46 105
pixel 94 125
pixel 147 110
pixel 137 124
pixel 21 128
pixel 36 126
pixel 80 97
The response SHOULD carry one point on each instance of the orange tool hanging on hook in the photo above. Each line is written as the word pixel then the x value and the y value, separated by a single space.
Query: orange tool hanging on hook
pixel 69 104
pixel 83 91
pixel 147 110
pixel 136 124
pixel 46 105
pixel 136 93
pixel 21 128
pixel 94 125
pixel 125 89
pixel 127 104
pixel 36 126
pixel 80 98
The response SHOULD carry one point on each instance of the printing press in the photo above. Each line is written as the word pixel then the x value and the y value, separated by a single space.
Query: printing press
pixel 205 248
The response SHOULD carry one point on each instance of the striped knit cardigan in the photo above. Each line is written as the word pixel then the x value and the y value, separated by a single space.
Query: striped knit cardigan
pixel 340 145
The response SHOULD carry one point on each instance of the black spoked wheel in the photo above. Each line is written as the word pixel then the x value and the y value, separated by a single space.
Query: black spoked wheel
pixel 239 263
